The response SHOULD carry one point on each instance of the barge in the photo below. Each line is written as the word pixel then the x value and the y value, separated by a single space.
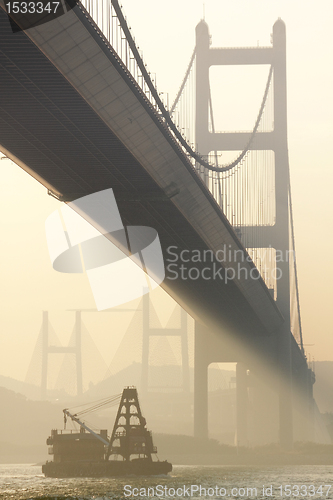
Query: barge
pixel 86 453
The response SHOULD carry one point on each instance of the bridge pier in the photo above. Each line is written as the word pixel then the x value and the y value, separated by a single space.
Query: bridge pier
pixel 304 404
pixel 311 404
pixel 285 388
pixel 241 405
pixel 200 381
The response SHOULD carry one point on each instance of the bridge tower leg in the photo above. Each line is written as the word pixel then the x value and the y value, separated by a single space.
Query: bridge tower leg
pixel 48 349
pixel 45 344
pixel 276 236
pixel 78 352
pixel 282 231
pixel 241 405
pixel 202 92
pixel 148 332
pixel 145 343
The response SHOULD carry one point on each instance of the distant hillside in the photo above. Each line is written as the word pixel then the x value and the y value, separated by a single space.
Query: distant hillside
pixel 165 378
pixel 26 423
pixel 25 426
pixel 30 391
pixel 168 376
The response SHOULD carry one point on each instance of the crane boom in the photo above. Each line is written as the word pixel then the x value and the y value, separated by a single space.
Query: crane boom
pixel 82 424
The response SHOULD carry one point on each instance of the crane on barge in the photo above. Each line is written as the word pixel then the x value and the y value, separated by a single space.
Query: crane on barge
pixel 93 455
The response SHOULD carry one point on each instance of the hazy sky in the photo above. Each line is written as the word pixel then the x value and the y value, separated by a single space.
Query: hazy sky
pixel 166 35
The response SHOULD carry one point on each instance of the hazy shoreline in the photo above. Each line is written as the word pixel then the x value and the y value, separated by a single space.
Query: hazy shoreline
pixel 228 460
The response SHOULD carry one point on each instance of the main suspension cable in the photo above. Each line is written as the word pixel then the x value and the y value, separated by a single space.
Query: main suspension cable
pixel 175 102
pixel 166 115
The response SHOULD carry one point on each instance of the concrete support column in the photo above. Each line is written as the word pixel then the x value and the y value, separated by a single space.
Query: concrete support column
pixel 311 405
pixel 145 343
pixel 184 347
pixel 305 417
pixel 45 352
pixel 200 382
pixel 285 388
pixel 241 405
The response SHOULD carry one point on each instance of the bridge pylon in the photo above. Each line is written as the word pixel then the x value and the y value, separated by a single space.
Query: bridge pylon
pixel 48 349
pixel 276 235
pixel 148 332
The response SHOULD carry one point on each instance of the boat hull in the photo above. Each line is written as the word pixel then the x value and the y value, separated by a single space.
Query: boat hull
pixel 109 468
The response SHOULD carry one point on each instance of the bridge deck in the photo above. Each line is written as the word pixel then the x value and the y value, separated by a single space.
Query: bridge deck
pixel 74 119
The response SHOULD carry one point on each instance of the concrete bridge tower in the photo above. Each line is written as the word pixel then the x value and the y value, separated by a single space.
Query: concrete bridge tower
pixel 275 236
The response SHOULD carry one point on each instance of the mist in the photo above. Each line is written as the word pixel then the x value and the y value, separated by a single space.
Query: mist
pixel 112 341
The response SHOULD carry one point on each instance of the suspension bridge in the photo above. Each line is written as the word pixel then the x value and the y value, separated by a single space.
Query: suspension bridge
pixel 80 112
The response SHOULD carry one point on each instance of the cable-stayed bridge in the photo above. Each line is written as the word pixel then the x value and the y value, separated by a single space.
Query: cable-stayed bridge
pixel 78 364
pixel 80 113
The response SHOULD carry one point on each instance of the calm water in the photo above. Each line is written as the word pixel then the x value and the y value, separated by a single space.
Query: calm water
pixel 22 482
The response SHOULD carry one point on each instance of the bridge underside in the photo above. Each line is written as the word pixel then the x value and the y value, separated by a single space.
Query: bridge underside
pixel 75 145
